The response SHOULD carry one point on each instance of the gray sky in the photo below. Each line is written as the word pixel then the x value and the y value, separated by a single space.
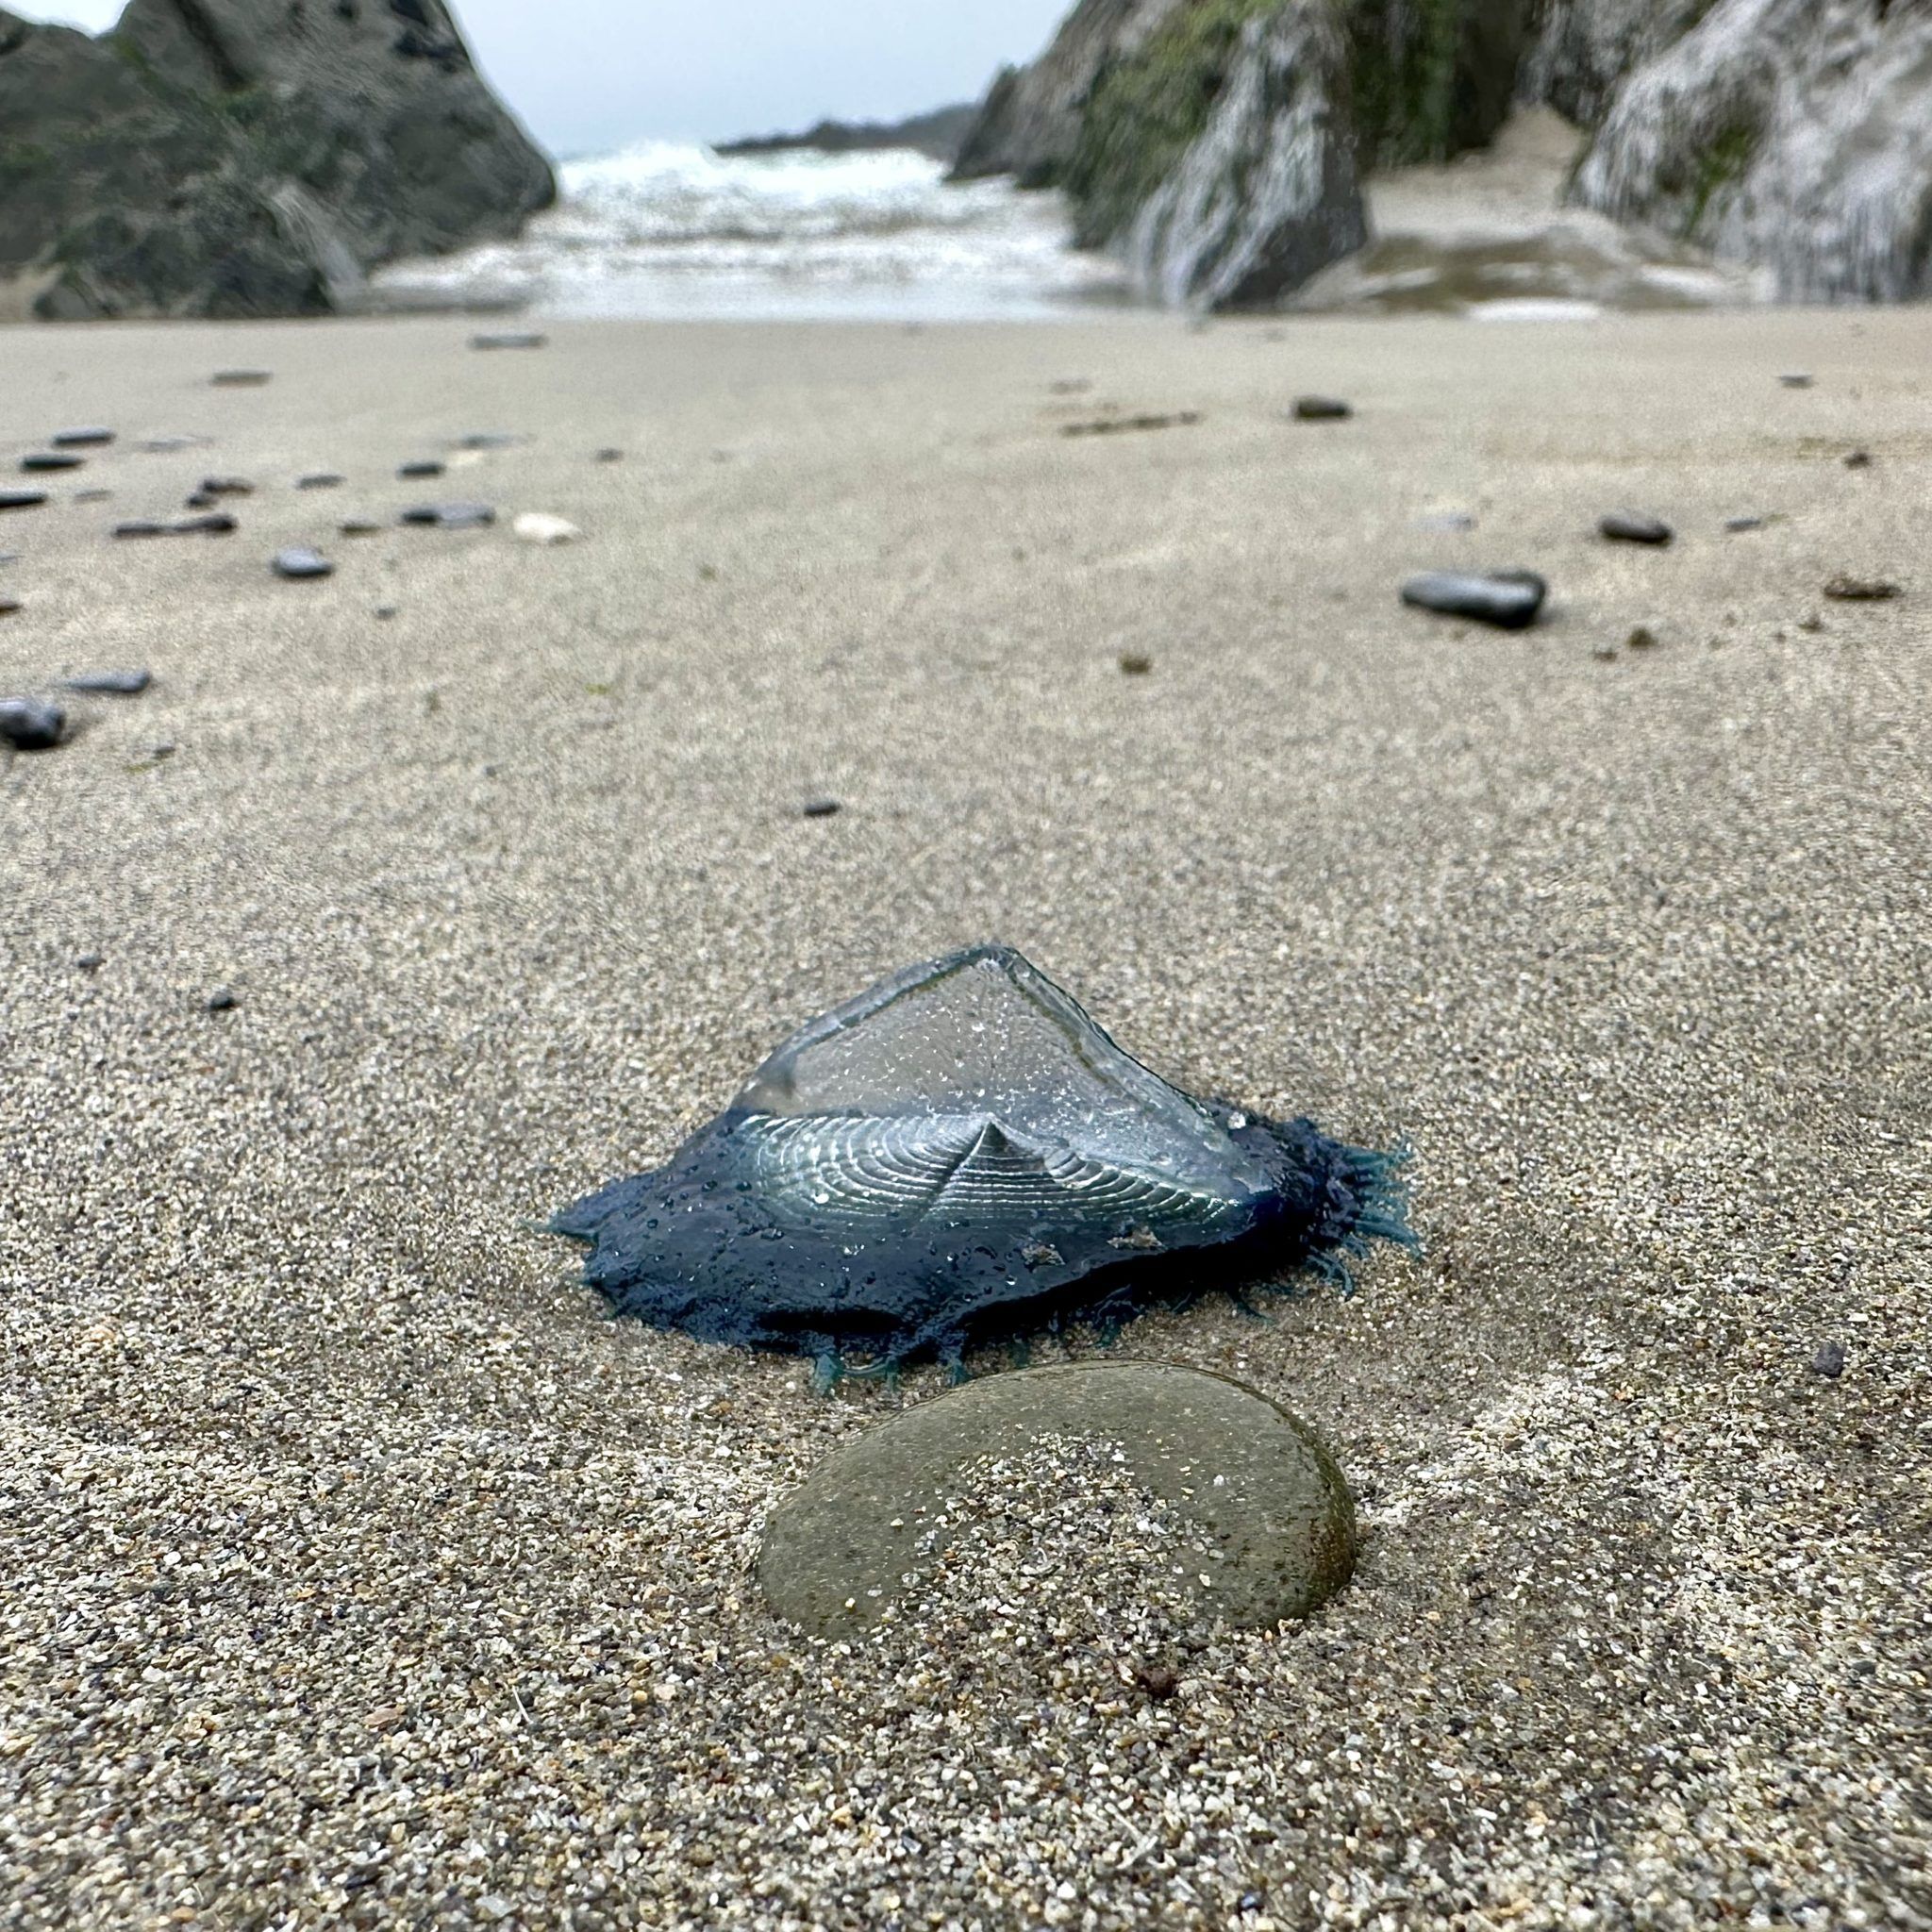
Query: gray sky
pixel 595 73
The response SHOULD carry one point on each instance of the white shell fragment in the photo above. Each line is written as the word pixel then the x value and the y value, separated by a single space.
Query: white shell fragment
pixel 539 526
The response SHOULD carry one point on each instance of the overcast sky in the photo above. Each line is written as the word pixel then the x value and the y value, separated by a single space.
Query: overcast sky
pixel 594 74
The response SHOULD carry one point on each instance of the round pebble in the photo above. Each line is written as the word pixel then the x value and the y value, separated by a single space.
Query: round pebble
pixel 1510 598
pixel 820 807
pixel 1256 1480
pixel 299 561
pixel 428 466
pixel 31 724
pixel 1321 410
pixel 450 516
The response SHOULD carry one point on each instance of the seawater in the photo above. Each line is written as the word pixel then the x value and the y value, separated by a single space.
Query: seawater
pixel 666 230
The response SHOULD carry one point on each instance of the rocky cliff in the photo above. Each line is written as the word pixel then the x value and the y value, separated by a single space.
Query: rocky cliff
pixel 1789 135
pixel 247 156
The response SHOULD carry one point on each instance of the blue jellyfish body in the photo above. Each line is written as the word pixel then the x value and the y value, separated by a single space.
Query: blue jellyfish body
pixel 960 1154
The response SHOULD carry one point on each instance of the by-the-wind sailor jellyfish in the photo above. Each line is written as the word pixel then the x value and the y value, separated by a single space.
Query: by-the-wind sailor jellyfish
pixel 961 1155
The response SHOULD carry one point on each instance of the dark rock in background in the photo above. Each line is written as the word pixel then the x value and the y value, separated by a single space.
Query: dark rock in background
pixel 229 158
pixel 936 134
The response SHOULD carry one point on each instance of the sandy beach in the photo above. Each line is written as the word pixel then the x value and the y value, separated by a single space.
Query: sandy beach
pixel 357 1568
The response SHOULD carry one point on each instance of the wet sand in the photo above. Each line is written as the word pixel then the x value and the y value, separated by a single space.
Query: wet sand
pixel 356 1569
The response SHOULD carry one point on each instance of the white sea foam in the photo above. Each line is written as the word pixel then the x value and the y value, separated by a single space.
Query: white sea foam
pixel 664 230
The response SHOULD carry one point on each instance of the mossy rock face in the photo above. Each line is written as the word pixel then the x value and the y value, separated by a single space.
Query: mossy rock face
pixel 1433 78
pixel 1146 110
pixel 1256 1479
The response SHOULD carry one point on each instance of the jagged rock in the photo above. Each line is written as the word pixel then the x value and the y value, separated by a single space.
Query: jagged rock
pixel 1267 192
pixel 246 156
pixel 1787 133
pixel 1030 123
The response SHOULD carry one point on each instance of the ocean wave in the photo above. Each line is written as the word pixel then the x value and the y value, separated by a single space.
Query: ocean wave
pixel 664 229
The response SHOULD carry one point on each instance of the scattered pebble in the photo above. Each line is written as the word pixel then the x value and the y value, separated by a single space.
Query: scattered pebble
pixel 1136 664
pixel 539 526
pixel 1116 425
pixel 31 724
pixel 221 1000
pixel 488 438
pixel 359 526
pixel 385 610
pixel 200 500
pixel 820 807
pixel 1847 589
pixel 242 379
pixel 91 495
pixel 1071 386
pixel 1754 522
pixel 299 561
pixel 1633 527
pixel 50 460
pixel 166 445
pixel 88 962
pixel 610 456
pixel 226 486
pixel 1641 639
pixel 126 684
pixel 428 466
pixel 450 516
pixel 89 437
pixel 1510 598
pixel 1858 460
pixel 22 499
pixel 1797 379
pixel 216 523
pixel 1321 410
pixel 513 339
pixel 319 479
pixel 140 527
pixel 1830 1361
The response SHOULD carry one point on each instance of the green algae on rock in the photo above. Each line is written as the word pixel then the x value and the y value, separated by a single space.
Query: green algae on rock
pixel 1256 1479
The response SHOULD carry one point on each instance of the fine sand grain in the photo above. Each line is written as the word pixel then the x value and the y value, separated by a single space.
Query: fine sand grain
pixel 355 1569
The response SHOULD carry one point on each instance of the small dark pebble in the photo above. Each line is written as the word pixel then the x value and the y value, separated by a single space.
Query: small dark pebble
pixel 1858 460
pixel 1321 410
pixel 215 523
pixel 299 561
pixel 140 527
pixel 1117 425
pixel 200 500
pixel 1738 525
pixel 49 460
pixel 611 455
pixel 91 495
pixel 88 962
pixel 1795 380
pixel 1631 527
pixel 359 526
pixel 385 610
pixel 223 1000
pixel 8 605
pixel 240 379
pixel 1136 664
pixel 319 479
pixel 1862 589
pixel 1509 598
pixel 31 724
pixel 450 516
pixel 428 466
pixel 488 438
pixel 820 807
pixel 514 339
pixel 86 437
pixel 226 486
pixel 1641 639
pixel 121 684
pixel 1157 1681
pixel 22 499
pixel 1830 1361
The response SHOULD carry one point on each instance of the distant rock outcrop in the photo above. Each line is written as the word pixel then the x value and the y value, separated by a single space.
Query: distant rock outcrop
pixel 242 158
pixel 938 134
pixel 1789 135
